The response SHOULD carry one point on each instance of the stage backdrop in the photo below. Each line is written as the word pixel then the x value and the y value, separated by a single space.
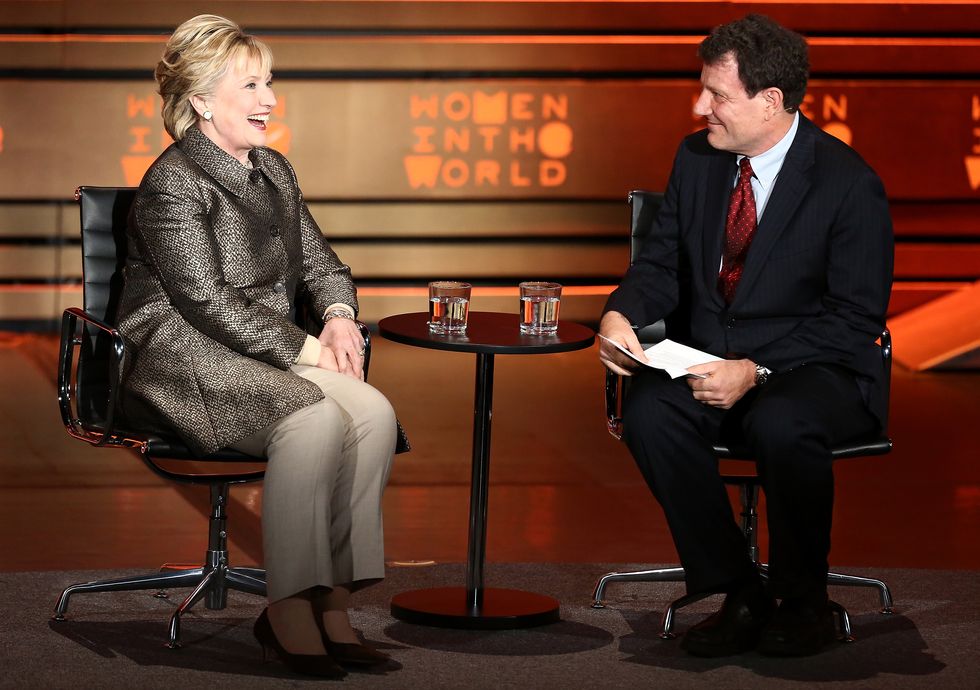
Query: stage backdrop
pixel 493 141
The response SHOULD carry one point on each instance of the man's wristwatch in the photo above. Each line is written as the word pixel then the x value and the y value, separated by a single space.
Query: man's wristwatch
pixel 761 374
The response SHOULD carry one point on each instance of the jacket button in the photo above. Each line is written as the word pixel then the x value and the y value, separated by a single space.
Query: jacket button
pixel 731 322
pixel 279 287
pixel 274 230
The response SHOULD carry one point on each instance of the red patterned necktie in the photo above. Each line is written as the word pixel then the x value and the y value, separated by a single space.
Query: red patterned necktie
pixel 739 229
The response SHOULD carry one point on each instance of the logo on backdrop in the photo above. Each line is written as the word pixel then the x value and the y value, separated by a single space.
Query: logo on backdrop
pixel 148 138
pixel 479 140
pixel 830 112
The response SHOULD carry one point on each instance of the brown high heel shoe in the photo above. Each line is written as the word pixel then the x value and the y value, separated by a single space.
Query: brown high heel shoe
pixel 320 665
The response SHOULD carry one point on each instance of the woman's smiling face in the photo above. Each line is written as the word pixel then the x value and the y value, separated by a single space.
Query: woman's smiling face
pixel 240 108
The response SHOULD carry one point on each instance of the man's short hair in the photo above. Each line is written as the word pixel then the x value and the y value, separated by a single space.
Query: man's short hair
pixel 767 55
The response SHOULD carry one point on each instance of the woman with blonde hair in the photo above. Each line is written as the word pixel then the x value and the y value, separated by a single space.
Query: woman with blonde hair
pixel 221 248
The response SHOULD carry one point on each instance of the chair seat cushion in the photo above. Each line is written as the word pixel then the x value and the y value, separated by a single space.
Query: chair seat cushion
pixel 169 448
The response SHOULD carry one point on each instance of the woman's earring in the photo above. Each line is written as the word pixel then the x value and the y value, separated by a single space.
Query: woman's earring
pixel 207 115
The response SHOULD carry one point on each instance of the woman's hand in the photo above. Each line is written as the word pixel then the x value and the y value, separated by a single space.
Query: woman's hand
pixel 342 348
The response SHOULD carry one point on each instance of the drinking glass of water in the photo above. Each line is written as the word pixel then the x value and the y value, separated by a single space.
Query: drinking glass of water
pixel 449 307
pixel 539 308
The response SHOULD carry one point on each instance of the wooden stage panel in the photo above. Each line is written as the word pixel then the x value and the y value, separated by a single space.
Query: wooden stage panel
pixel 561 52
pixel 855 17
pixel 469 135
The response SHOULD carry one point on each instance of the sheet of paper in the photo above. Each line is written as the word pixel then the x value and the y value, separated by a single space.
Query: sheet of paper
pixel 670 356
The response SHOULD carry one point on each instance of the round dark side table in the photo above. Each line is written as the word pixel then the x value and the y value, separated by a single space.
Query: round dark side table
pixel 475 606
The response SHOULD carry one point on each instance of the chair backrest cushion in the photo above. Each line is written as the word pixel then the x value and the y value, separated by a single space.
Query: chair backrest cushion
pixel 644 207
pixel 104 215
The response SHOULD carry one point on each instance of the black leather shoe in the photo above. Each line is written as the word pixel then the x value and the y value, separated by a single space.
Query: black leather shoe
pixel 352 653
pixel 799 628
pixel 734 628
pixel 320 665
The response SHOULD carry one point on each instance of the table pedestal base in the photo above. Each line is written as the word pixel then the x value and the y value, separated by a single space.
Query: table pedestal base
pixel 502 609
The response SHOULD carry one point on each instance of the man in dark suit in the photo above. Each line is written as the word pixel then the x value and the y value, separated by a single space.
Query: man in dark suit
pixel 773 250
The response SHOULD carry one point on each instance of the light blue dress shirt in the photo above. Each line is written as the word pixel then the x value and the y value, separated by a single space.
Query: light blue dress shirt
pixel 766 167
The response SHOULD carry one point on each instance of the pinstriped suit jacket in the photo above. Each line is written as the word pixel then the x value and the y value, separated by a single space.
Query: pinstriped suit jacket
pixel 817 277
pixel 216 259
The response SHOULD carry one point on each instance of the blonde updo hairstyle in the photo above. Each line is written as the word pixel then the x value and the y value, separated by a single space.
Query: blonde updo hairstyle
pixel 196 57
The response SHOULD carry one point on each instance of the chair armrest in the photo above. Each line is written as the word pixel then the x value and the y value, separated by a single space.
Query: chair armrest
pixel 652 333
pixel 614 413
pixel 366 334
pixel 616 385
pixel 72 339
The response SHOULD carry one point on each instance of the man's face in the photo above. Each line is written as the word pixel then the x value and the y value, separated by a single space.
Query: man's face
pixel 736 122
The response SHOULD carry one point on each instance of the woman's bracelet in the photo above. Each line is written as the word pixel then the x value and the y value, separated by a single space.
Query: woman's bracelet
pixel 336 314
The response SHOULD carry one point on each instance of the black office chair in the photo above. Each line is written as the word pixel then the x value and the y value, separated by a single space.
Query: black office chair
pixel 88 388
pixel 644 208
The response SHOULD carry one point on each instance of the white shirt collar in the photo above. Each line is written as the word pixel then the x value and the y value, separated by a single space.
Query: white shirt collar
pixel 766 165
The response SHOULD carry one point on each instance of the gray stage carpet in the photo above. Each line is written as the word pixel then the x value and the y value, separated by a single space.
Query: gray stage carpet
pixel 116 640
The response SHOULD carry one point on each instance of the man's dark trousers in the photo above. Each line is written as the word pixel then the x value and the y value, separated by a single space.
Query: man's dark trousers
pixel 790 424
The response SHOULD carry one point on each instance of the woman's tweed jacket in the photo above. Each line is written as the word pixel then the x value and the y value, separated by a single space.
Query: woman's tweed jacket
pixel 217 257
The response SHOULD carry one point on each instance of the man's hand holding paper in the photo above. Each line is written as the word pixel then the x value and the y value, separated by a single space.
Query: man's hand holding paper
pixel 722 383
pixel 622 353
pixel 619 349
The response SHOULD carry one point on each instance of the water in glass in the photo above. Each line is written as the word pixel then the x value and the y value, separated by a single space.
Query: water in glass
pixel 448 314
pixel 539 314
